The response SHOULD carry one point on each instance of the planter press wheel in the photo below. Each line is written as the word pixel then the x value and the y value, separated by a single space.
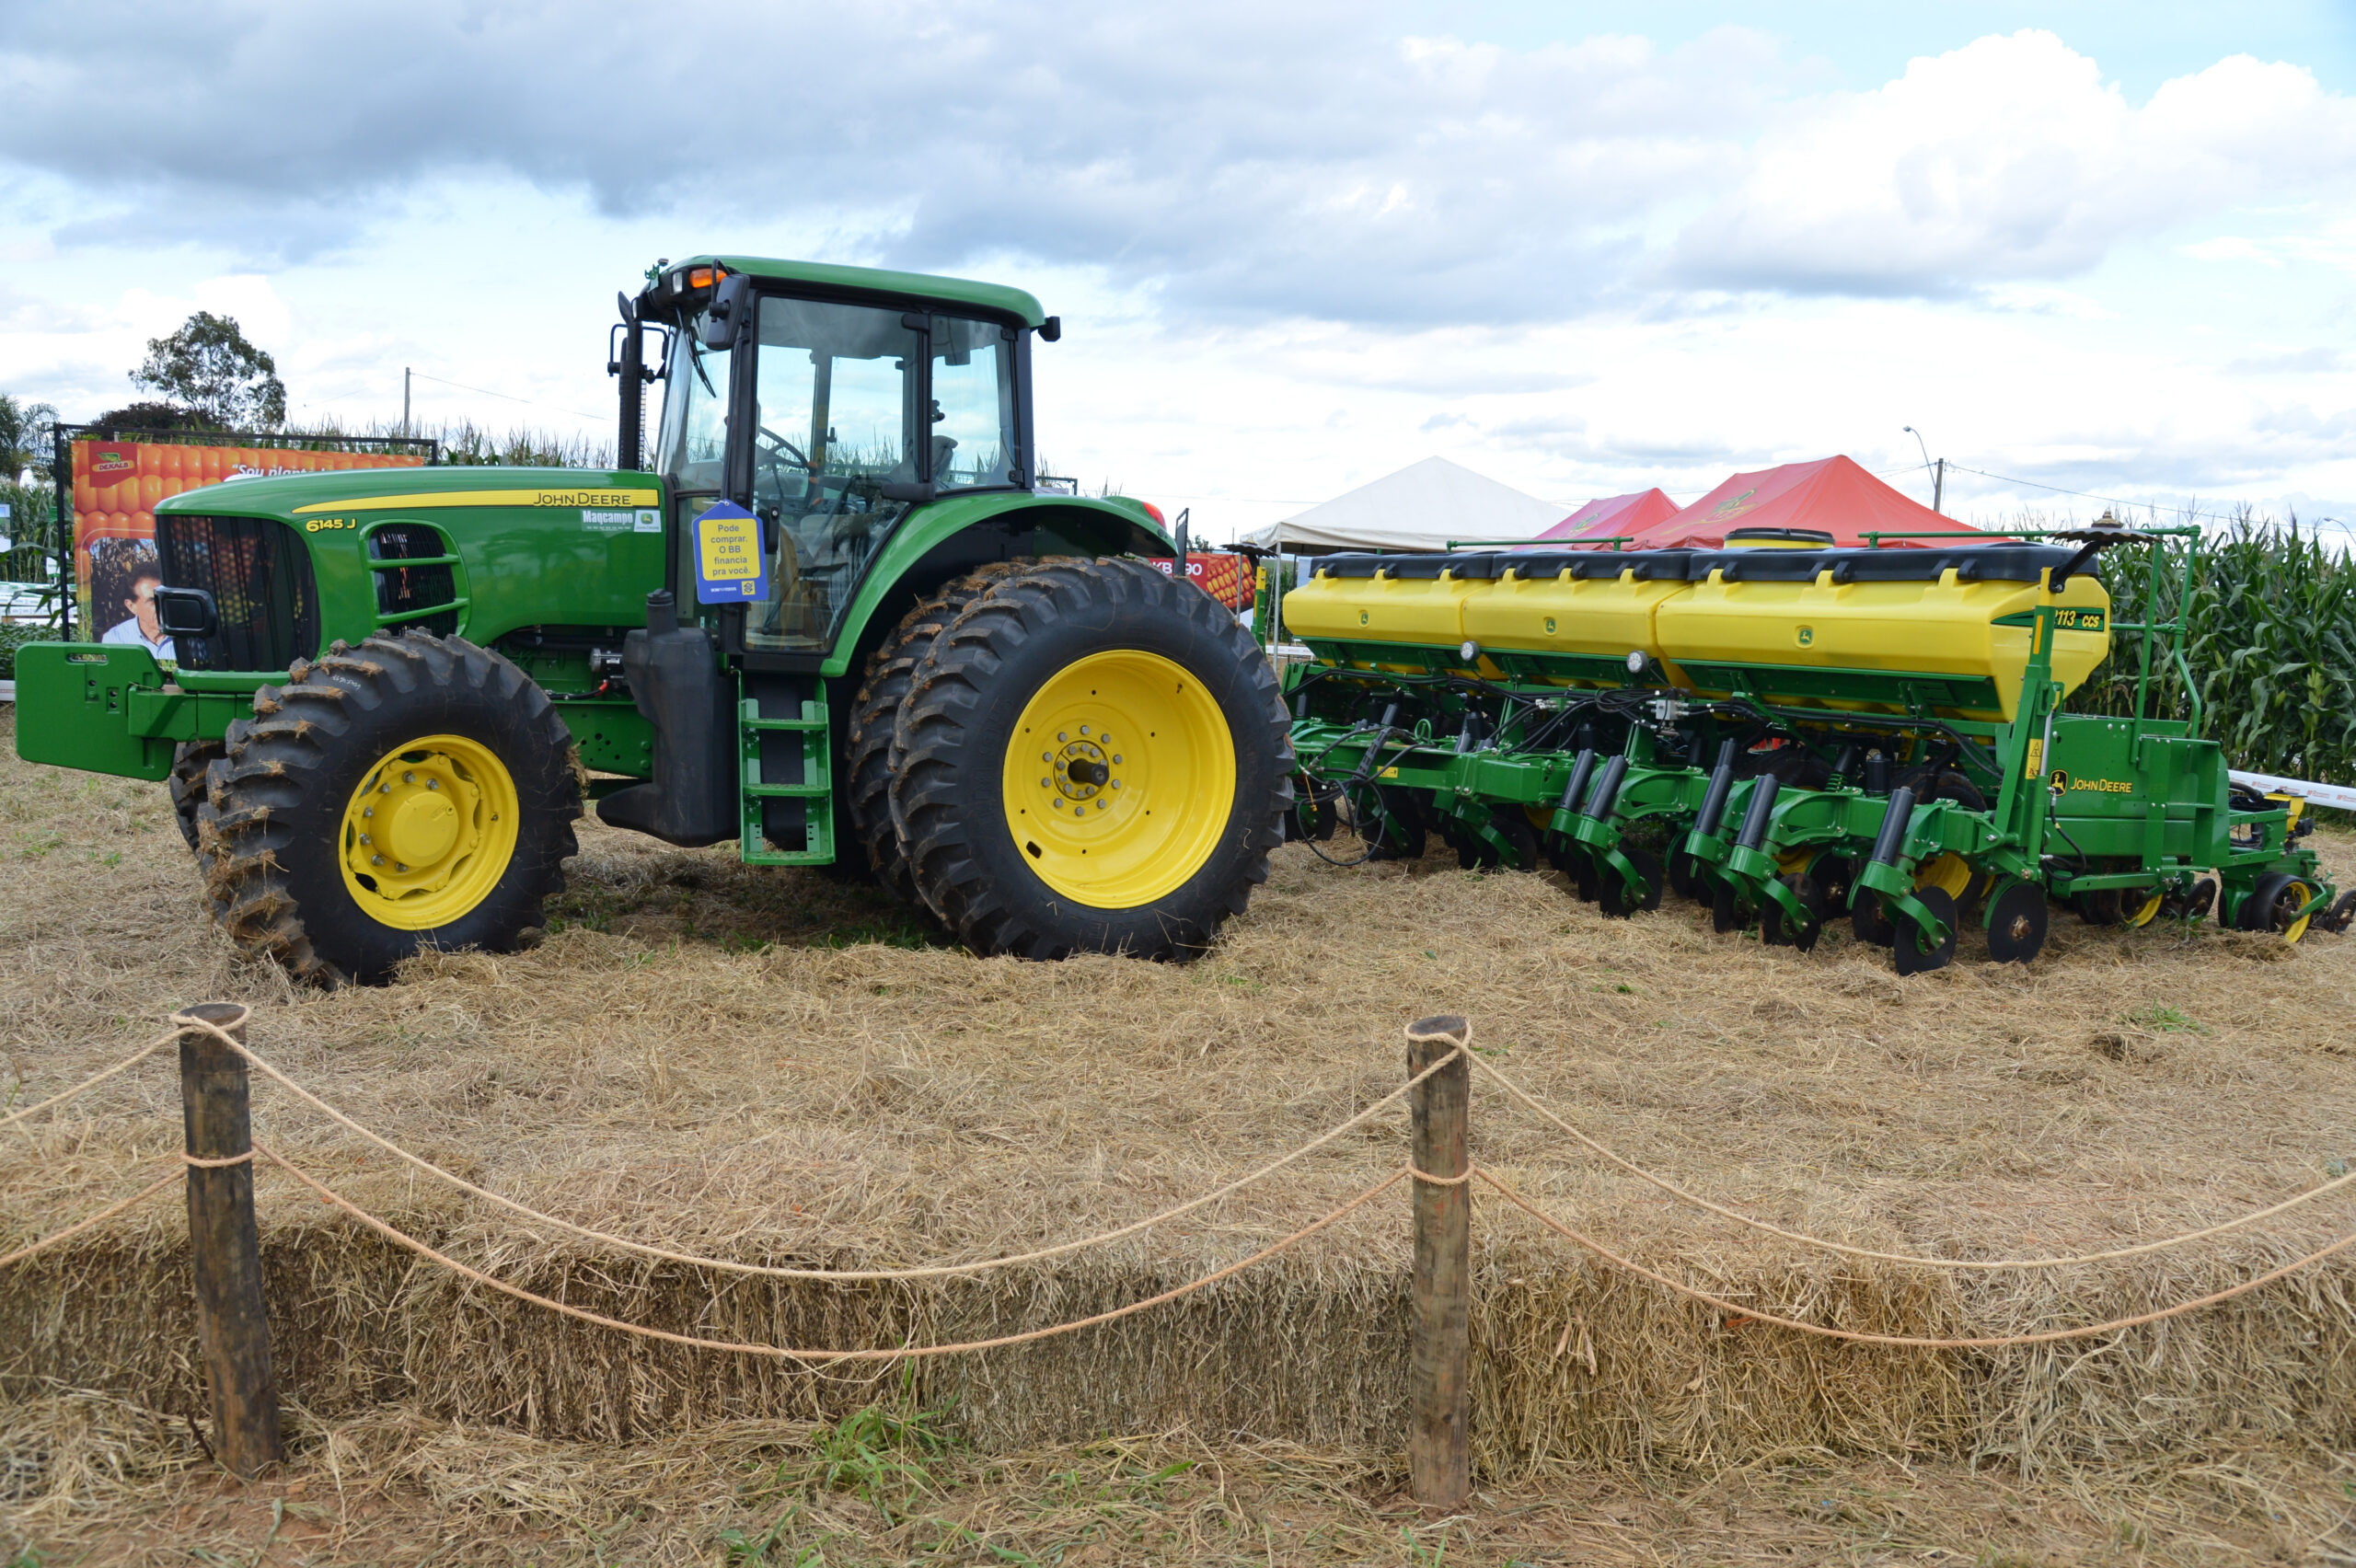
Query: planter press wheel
pixel 1911 956
pixel 1613 896
pixel 1811 897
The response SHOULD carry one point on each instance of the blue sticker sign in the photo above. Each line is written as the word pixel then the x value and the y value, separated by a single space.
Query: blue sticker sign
pixel 731 567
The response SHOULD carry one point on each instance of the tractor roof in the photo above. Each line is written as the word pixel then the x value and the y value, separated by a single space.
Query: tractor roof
pixel 994 297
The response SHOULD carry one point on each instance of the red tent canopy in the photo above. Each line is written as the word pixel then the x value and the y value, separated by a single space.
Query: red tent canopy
pixel 1832 495
pixel 1615 516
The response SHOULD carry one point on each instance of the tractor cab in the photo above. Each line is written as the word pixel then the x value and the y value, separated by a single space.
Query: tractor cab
pixel 828 402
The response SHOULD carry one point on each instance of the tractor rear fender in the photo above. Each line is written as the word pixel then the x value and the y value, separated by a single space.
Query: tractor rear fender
pixel 945 538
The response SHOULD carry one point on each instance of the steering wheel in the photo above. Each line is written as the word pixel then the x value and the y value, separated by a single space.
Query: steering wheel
pixel 773 449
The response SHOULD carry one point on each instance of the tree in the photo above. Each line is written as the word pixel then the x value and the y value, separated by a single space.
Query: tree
pixel 208 368
pixel 25 430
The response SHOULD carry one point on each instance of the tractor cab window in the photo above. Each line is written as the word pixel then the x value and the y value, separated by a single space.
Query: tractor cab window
pixel 973 405
pixel 692 446
pixel 834 404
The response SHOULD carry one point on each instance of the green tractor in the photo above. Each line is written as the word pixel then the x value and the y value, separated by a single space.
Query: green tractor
pixel 834 621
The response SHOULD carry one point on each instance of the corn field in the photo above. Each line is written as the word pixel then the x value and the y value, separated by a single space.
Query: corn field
pixel 2269 641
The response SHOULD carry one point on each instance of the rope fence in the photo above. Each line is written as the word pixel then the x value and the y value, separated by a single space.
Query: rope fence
pixel 218 1165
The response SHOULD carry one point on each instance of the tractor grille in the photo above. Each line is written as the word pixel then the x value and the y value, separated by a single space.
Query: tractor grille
pixel 420 596
pixel 260 576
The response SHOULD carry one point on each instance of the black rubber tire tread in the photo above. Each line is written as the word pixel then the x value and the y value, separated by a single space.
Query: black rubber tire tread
pixel 278 800
pixel 981 672
pixel 868 758
pixel 189 760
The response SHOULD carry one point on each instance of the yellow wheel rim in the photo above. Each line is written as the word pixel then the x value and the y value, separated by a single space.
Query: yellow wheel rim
pixel 429 831
pixel 2139 918
pixel 2298 927
pixel 1119 779
pixel 1947 871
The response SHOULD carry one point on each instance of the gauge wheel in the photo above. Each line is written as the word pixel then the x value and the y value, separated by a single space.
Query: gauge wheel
pixel 2343 912
pixel 1965 883
pixel 2017 920
pixel 1910 956
pixel 412 793
pixel 2273 904
pixel 1095 758
pixel 869 759
pixel 2135 913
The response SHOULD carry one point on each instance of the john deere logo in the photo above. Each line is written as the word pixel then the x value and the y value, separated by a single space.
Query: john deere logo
pixel 1361 617
pixel 1550 623
pixel 1808 635
pixel 1728 508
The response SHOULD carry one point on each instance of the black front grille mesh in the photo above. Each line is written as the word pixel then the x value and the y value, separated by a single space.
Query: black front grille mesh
pixel 263 594
pixel 403 591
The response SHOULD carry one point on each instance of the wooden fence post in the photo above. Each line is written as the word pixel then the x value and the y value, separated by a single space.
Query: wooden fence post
pixel 225 1248
pixel 1439 1437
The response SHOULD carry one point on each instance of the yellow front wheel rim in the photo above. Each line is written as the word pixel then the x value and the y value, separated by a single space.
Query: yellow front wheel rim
pixel 1119 779
pixel 429 831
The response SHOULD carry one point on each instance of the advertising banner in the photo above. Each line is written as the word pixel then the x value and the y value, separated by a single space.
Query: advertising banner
pixel 117 485
pixel 1226 577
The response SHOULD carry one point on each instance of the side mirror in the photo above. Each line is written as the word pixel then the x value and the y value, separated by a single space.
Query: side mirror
pixel 1051 331
pixel 730 301
pixel 186 612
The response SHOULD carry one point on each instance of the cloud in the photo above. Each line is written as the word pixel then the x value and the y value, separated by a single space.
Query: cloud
pixel 1254 159
pixel 2010 159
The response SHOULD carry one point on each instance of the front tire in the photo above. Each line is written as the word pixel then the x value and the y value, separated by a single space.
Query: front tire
pixel 413 792
pixel 1027 829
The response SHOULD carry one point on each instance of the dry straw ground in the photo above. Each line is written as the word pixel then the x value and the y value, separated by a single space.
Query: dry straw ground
pixel 779 1067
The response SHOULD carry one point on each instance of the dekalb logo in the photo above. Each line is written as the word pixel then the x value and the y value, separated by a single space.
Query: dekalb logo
pixel 112 462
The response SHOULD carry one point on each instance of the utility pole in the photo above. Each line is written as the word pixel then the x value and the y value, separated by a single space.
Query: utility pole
pixel 1938 469
pixel 404 399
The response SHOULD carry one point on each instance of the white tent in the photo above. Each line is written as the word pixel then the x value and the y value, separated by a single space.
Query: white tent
pixel 1421 507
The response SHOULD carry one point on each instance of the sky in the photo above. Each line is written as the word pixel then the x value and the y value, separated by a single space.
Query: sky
pixel 1583 248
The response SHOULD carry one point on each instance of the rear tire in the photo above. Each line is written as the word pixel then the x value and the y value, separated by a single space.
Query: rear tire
pixel 869 759
pixel 474 770
pixel 995 761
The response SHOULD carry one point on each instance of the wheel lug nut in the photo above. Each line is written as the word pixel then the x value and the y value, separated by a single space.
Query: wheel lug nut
pixel 408 778
pixel 434 783
pixel 368 810
pixel 1043 784
pixel 1062 737
pixel 398 867
pixel 376 860
pixel 1083 729
pixel 365 839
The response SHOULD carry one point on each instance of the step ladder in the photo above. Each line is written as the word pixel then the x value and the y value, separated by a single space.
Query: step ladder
pixel 817 787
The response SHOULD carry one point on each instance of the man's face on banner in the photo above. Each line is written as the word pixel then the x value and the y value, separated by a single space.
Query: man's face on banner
pixel 141 605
